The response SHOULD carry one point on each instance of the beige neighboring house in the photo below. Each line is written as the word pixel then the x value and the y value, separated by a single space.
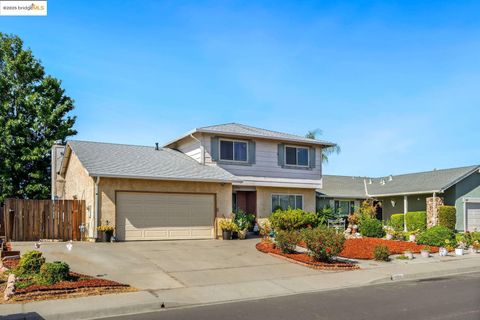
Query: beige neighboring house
pixel 180 190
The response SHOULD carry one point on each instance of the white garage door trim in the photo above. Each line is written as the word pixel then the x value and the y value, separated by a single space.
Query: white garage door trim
pixel 192 215
pixel 466 217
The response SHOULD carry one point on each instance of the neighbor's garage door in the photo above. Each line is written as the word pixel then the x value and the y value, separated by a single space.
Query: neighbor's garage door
pixel 161 216
pixel 473 215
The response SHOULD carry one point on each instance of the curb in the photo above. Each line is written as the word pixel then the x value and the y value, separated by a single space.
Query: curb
pixel 424 275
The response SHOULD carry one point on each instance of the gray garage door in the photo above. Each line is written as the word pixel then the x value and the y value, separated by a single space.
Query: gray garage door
pixel 163 216
pixel 473 216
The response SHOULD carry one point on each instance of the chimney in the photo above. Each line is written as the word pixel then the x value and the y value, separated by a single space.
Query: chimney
pixel 156 146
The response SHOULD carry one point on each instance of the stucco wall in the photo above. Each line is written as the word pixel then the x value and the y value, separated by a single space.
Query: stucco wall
pixel 108 186
pixel 78 184
pixel 264 199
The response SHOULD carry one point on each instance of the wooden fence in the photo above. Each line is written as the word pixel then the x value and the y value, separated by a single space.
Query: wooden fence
pixel 2 222
pixel 32 220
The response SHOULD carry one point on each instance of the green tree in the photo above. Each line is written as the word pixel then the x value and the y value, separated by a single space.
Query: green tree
pixel 327 151
pixel 33 115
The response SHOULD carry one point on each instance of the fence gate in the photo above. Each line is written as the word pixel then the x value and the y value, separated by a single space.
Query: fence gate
pixel 32 220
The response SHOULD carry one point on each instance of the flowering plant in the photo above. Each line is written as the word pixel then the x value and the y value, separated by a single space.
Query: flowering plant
pixel 389 230
pixel 448 245
pixel 476 245
pixel 106 228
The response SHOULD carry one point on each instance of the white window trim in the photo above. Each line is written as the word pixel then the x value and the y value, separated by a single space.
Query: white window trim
pixel 296 156
pixel 233 151
pixel 287 194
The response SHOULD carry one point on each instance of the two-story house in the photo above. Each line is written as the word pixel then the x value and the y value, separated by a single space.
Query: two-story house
pixel 180 190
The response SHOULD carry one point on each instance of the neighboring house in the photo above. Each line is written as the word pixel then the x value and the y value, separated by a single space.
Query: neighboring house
pixel 422 191
pixel 179 191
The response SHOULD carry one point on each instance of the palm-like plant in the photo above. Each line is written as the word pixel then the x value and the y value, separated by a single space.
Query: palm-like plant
pixel 326 151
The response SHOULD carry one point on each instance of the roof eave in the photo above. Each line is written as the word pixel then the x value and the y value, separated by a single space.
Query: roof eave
pixel 454 182
pixel 319 142
pixel 405 193
pixel 117 176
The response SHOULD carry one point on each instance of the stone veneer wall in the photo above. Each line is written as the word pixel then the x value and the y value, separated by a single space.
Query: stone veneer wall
pixel 432 215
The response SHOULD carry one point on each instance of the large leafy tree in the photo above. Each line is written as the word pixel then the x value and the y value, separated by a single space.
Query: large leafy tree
pixel 33 115
pixel 326 152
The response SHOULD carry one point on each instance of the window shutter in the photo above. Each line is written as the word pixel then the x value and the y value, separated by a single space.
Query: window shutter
pixel 251 152
pixel 281 154
pixel 214 152
pixel 312 157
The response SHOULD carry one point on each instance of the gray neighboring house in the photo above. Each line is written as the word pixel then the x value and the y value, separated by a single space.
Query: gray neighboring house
pixel 459 187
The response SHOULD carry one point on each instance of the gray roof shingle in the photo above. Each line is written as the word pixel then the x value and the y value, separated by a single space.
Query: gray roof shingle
pixel 131 161
pixel 436 180
pixel 342 187
pixel 241 130
pixel 420 182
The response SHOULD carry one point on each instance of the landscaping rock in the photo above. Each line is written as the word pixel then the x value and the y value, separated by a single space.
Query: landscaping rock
pixel 10 289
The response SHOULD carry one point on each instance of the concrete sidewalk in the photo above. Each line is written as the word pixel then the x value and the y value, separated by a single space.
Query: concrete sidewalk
pixel 372 272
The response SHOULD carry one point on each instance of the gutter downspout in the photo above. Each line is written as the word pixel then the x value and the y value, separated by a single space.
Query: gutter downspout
pixel 405 210
pixel 202 149
pixel 97 207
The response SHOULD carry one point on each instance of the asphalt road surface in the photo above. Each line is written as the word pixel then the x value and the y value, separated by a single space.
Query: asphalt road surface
pixel 455 297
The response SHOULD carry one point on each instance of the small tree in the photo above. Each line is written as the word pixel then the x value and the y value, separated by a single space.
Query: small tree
pixel 326 151
pixel 33 115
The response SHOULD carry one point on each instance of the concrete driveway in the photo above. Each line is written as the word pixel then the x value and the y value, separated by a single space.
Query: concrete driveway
pixel 158 265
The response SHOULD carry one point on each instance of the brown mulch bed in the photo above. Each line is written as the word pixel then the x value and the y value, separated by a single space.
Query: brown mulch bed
pixel 362 248
pixel 304 259
pixel 80 281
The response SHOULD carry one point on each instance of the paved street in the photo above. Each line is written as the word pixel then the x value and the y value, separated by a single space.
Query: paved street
pixel 455 297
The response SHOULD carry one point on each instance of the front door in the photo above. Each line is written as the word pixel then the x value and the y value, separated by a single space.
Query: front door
pixel 246 201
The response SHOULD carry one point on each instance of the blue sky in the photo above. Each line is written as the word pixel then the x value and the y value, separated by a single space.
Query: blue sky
pixel 395 84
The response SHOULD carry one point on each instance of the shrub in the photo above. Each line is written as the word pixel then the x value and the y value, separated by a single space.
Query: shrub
pixel 371 227
pixel 323 243
pixel 436 236
pixel 287 240
pixel 53 272
pixel 29 264
pixel 243 220
pixel 292 219
pixel 447 216
pixel 416 220
pixel 381 253
pixel 396 221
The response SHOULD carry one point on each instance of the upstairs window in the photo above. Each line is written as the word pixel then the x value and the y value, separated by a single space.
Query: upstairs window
pixel 296 156
pixel 231 150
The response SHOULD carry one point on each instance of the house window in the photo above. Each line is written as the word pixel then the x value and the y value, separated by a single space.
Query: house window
pixel 296 156
pixel 344 207
pixel 285 201
pixel 233 150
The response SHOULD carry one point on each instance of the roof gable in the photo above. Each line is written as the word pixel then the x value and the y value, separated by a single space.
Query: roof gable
pixel 241 130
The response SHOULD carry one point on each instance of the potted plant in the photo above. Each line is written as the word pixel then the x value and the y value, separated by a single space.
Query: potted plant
pixel 390 232
pixel 412 235
pixel 227 227
pixel 475 247
pixel 107 232
pixel 408 254
pixel 442 251
pixel 459 249
pixel 448 246
pixel 425 252
pixel 243 222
